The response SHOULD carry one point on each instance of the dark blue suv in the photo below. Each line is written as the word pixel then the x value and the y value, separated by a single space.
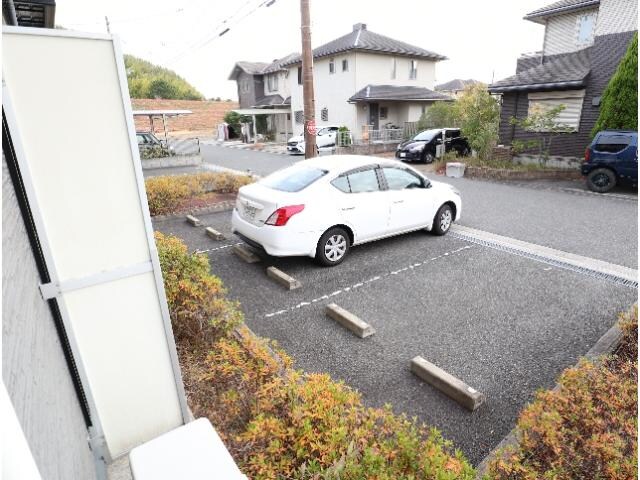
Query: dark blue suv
pixel 611 158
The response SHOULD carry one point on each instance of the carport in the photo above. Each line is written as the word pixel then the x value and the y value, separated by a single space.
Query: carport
pixel 262 111
pixel 163 114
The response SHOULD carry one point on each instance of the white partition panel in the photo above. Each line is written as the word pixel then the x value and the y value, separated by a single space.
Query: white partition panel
pixel 66 103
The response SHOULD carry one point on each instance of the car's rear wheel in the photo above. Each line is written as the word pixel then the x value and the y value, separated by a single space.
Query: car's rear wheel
pixel 333 247
pixel 601 180
pixel 443 220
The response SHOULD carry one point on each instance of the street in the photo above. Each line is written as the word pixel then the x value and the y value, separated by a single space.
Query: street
pixel 505 324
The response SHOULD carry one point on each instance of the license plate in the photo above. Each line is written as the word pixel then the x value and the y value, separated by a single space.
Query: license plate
pixel 250 212
pixel 402 155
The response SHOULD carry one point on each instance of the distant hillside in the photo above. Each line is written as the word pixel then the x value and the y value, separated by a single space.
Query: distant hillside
pixel 147 80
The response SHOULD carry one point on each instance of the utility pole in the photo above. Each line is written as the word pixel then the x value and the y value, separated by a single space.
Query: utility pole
pixel 307 82
pixel 106 20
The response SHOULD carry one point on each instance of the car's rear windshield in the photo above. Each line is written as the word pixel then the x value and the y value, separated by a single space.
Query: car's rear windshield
pixel 427 135
pixel 612 143
pixel 293 179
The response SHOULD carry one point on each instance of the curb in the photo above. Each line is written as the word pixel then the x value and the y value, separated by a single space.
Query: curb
pixel 451 386
pixel 349 321
pixel 212 233
pixel 283 279
pixel 218 207
pixel 245 254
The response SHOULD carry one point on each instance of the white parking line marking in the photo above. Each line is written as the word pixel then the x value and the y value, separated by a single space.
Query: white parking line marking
pixel 217 248
pixel 361 284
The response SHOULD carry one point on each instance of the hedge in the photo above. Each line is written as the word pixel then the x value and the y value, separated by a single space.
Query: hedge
pixel 276 421
pixel 588 427
pixel 166 194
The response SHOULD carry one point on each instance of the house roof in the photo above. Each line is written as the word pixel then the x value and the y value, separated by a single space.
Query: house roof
pixel 278 64
pixel 260 68
pixel 559 7
pixel 396 92
pixel 362 39
pixel 566 72
pixel 456 84
pixel 272 100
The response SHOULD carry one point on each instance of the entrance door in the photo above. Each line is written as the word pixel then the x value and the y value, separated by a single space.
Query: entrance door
pixel 374 115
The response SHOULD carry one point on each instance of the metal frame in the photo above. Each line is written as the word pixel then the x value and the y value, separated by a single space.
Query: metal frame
pixel 56 286
pixel 153 251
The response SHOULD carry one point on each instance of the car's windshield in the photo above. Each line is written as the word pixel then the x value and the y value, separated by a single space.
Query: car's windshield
pixel 427 135
pixel 293 179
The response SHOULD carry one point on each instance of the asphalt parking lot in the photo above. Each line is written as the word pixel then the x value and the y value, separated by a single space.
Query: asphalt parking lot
pixel 504 324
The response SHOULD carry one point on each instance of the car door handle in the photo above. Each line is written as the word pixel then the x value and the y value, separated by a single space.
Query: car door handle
pixel 348 208
pixel 399 201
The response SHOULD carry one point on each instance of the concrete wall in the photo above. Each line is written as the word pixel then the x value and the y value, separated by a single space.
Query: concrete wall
pixel 617 16
pixel 331 91
pixel 375 69
pixel 561 33
pixel 205 118
pixel 34 370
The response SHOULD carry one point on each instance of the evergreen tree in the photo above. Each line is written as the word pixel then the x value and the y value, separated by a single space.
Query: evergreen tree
pixel 619 105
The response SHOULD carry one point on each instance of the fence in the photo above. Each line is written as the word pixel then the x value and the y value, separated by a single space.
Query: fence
pixel 377 136
pixel 184 146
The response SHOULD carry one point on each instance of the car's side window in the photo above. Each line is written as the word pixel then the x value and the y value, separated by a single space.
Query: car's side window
pixel 141 139
pixel 364 181
pixel 342 184
pixel 398 179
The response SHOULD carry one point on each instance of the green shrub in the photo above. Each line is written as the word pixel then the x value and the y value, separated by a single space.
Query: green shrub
pixel 587 428
pixel 200 312
pixel 165 194
pixel 619 105
pixel 154 152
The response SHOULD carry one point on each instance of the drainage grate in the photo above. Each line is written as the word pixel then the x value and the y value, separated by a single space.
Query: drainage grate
pixel 521 252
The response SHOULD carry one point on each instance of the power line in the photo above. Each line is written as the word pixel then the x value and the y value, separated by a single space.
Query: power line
pixel 211 38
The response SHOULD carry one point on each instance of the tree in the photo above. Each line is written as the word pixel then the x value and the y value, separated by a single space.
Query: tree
pixel 619 105
pixel 147 80
pixel 439 115
pixel 543 121
pixel 161 88
pixel 478 115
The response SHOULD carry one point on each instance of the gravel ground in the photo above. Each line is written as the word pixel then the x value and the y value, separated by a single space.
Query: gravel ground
pixel 504 324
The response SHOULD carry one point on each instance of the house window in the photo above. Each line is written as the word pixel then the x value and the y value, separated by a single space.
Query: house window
pixel 423 108
pixel 244 86
pixel 413 69
pixel 299 116
pixel 324 114
pixel 299 75
pixel 571 99
pixel 272 83
pixel 345 65
pixel 332 66
pixel 586 24
pixel 384 112
pixel 394 65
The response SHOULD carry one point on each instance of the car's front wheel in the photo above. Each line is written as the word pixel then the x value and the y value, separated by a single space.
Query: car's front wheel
pixel 428 157
pixel 443 220
pixel 601 180
pixel 333 247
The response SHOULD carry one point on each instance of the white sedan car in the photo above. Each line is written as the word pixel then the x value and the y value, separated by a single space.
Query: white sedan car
pixel 325 138
pixel 322 207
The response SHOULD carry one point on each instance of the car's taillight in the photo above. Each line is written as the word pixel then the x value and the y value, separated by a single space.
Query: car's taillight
pixel 282 215
pixel 587 155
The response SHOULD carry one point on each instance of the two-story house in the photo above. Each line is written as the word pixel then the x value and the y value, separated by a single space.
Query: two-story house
pixel 584 42
pixel 367 80
pixel 264 88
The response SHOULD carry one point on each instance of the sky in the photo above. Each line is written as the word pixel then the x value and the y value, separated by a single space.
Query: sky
pixel 482 39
